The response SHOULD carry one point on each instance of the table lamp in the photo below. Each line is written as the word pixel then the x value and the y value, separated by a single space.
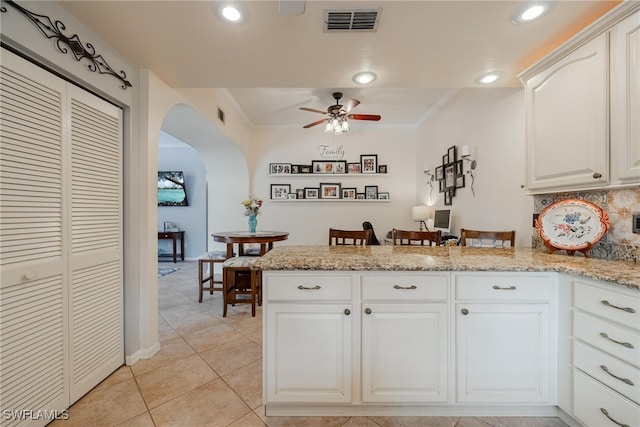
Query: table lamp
pixel 420 213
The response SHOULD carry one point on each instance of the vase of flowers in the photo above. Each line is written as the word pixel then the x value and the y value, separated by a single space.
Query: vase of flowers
pixel 252 209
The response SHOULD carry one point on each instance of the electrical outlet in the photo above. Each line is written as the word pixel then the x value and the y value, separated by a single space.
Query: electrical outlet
pixel 636 223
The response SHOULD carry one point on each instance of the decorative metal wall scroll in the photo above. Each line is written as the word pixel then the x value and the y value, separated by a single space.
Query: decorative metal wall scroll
pixel 53 30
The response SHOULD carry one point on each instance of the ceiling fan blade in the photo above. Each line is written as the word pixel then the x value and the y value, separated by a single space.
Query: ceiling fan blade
pixel 312 110
pixel 374 117
pixel 350 105
pixel 317 122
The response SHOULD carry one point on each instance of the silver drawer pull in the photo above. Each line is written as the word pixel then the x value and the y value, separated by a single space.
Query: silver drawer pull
pixel 627 309
pixel 405 287
pixel 498 288
pixel 624 344
pixel 309 288
pixel 624 380
pixel 606 414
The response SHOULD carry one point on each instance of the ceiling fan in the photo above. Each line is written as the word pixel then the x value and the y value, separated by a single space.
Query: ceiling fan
pixel 339 115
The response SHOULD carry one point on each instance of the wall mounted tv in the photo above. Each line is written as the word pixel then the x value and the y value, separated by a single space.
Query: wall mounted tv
pixel 171 189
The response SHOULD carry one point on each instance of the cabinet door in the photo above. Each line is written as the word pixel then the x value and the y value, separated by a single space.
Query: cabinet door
pixel 404 352
pixel 308 352
pixel 567 128
pixel 503 352
pixel 625 99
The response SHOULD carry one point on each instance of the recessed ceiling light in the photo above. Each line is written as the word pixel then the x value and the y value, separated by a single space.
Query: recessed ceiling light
pixel 230 13
pixel 489 77
pixel 530 11
pixel 364 77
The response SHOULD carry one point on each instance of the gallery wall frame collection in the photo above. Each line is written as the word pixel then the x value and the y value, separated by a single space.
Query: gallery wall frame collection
pixel 450 175
pixel 325 190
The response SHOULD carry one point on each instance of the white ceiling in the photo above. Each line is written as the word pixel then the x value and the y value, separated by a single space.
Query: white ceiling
pixel 273 64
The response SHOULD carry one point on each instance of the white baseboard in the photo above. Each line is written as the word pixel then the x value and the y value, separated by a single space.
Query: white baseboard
pixel 142 354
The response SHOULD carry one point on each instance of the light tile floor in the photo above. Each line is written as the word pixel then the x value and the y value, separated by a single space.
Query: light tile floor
pixel 209 373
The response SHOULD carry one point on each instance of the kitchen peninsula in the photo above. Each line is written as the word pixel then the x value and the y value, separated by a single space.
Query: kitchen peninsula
pixel 390 330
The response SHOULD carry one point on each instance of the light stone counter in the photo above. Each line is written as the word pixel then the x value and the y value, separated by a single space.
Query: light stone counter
pixel 452 258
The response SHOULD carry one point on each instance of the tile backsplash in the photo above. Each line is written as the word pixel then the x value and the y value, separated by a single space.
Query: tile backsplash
pixel 620 243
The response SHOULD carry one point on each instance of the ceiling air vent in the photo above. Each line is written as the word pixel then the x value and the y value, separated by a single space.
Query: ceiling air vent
pixel 351 20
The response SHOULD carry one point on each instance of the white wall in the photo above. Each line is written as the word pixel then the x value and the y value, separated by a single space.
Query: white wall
pixel 491 122
pixel 308 222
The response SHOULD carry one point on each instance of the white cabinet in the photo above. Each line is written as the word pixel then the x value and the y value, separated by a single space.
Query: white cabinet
pixel 566 120
pixel 505 347
pixel 606 354
pixel 582 109
pixel 308 338
pixel 404 338
pixel 625 100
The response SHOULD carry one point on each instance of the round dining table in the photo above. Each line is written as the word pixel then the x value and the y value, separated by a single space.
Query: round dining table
pixel 241 238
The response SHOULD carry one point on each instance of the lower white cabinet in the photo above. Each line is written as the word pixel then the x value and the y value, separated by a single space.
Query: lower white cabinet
pixel 308 352
pixel 504 342
pixel 404 337
pixel 503 352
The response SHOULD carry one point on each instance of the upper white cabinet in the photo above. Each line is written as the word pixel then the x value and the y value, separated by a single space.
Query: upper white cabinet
pixel 625 100
pixel 582 109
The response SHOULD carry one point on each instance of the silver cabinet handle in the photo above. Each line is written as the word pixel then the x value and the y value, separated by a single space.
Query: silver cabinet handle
pixel 367 310
pixel 498 288
pixel 347 311
pixel 309 288
pixel 624 380
pixel 624 344
pixel 405 287
pixel 597 175
pixel 464 311
pixel 627 309
pixel 606 414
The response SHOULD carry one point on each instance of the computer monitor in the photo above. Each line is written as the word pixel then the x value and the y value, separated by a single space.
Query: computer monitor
pixel 442 220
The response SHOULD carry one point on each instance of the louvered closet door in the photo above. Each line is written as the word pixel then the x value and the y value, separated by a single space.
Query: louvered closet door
pixel 95 180
pixel 61 239
pixel 33 257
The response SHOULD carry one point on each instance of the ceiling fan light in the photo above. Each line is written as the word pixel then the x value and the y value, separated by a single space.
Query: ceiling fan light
pixel 328 128
pixel 345 126
pixel 364 77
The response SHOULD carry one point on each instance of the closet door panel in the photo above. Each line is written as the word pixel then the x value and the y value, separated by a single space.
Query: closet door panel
pixel 33 260
pixel 97 347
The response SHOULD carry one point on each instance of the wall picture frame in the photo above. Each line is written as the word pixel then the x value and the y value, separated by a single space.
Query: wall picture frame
pixel 305 169
pixel 460 181
pixel 382 168
pixel 369 163
pixel 330 190
pixel 449 175
pixel 383 196
pixel 354 168
pixel 448 198
pixel 300 193
pixel 311 192
pixel 279 168
pixel 170 226
pixel 371 192
pixel 280 191
pixel 349 193
pixel 439 173
pixel 360 196
pixel 452 154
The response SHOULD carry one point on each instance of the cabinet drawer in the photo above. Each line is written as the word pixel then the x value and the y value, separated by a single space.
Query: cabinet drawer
pixel 596 405
pixel 609 304
pixel 307 288
pixel 615 340
pixel 503 287
pixel 405 287
pixel 619 376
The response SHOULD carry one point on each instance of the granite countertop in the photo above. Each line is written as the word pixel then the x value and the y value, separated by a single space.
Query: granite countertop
pixel 446 258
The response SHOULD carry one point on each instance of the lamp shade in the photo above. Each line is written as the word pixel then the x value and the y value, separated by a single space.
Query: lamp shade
pixel 420 213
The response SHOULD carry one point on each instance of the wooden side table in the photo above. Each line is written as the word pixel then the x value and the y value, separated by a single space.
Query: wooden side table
pixel 174 235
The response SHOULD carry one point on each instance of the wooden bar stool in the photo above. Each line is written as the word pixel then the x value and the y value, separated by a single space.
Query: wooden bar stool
pixel 209 259
pixel 241 284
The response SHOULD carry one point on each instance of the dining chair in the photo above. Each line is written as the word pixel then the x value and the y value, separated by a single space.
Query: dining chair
pixel 241 284
pixel 421 238
pixel 349 237
pixel 487 239
pixel 209 260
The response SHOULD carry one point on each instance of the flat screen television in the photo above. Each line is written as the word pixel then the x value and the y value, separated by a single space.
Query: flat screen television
pixel 171 189
pixel 442 220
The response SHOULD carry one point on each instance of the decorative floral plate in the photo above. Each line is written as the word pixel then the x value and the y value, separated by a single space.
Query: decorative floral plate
pixel 572 224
